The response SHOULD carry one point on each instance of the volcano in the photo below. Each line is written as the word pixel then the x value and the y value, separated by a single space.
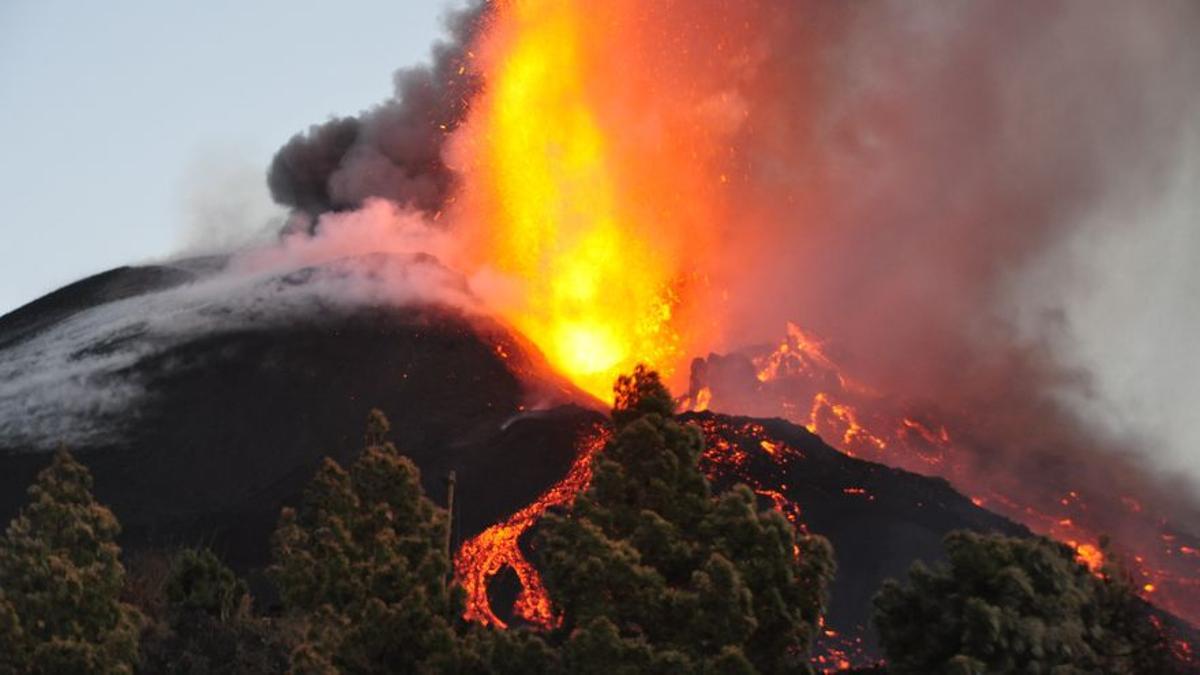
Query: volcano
pixel 203 404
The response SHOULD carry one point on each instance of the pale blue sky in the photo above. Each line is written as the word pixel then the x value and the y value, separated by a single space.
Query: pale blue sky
pixel 111 112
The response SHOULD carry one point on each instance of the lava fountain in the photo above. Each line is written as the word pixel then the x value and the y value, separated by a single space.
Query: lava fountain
pixel 592 184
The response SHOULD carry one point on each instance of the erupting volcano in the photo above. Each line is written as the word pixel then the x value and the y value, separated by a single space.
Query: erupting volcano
pixel 849 236
pixel 604 175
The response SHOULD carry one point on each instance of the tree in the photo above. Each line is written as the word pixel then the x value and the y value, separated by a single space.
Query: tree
pixel 652 573
pixel 199 583
pixel 1005 604
pixel 210 627
pixel 362 562
pixel 61 579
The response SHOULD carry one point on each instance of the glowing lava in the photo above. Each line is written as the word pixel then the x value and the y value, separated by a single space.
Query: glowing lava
pixel 810 388
pixel 590 185
pixel 483 557
pixel 594 168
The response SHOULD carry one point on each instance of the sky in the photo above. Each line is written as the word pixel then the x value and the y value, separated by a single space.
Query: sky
pixel 128 125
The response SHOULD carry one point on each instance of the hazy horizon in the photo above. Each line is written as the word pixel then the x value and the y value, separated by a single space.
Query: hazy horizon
pixel 135 129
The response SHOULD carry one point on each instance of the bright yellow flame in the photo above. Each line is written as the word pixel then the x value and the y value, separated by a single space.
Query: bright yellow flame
pixel 569 207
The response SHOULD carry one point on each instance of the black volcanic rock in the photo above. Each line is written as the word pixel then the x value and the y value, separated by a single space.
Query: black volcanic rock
pixel 878 518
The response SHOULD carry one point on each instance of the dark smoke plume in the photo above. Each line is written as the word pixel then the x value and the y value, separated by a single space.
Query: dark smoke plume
pixel 393 151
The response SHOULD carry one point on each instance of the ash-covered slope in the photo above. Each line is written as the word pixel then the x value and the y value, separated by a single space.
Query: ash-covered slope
pixel 204 404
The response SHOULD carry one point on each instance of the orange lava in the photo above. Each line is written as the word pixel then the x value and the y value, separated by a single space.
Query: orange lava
pixel 861 423
pixel 826 416
pixel 1089 555
pixel 595 169
pixel 484 556
pixel 799 352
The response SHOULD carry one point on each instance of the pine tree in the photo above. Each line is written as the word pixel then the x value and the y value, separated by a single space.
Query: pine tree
pixel 199 583
pixel 652 573
pixel 61 576
pixel 1004 604
pixel 212 629
pixel 362 562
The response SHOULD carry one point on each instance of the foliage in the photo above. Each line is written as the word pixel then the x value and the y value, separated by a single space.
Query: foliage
pixel 1006 604
pixel 209 628
pixel 362 562
pixel 200 583
pixel 60 608
pixel 652 573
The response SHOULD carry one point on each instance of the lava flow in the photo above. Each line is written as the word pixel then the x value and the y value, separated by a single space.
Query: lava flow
pixel 743 452
pixel 484 556
pixel 725 459
pixel 798 380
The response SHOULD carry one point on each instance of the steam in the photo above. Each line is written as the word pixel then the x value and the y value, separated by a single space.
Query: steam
pixel 226 206
pixel 1124 292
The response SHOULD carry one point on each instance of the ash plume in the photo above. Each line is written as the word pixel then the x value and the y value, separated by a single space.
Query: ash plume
pixel 392 151
pixel 917 178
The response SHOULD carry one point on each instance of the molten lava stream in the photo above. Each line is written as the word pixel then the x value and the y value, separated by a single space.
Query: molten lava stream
pixel 497 547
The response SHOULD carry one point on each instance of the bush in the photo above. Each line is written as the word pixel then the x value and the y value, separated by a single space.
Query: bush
pixel 207 626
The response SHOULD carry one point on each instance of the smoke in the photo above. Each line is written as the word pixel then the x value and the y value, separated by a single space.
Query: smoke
pixel 225 204
pixel 1123 292
pixel 907 170
pixel 393 151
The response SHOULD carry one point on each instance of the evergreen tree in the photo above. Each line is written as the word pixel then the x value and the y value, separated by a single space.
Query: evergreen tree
pixel 362 562
pixel 652 573
pixel 1005 604
pixel 211 627
pixel 61 579
pixel 199 583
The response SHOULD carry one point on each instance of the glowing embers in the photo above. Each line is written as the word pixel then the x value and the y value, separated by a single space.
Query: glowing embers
pixel 799 353
pixel 479 560
pixel 725 458
pixel 835 651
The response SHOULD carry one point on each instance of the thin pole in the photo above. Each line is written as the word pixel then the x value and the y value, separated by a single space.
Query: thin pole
pixel 451 479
